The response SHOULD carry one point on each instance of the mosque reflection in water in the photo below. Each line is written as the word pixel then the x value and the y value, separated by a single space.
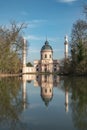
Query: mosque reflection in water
pixel 46 84
pixel 43 102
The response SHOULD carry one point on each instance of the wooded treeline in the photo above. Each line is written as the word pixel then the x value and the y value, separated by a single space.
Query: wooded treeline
pixel 77 62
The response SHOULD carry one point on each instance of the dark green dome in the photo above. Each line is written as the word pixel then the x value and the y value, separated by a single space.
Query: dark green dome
pixel 46 46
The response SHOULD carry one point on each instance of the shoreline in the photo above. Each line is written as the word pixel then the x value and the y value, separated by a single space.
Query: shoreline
pixel 60 74
pixel 10 75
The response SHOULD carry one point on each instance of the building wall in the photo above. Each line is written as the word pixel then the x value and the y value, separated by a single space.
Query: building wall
pixel 46 62
pixel 46 65
pixel 30 69
pixel 46 55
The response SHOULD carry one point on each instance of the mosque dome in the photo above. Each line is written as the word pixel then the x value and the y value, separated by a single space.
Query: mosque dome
pixel 46 46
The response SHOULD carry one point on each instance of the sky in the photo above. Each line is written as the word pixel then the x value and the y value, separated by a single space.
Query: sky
pixel 46 19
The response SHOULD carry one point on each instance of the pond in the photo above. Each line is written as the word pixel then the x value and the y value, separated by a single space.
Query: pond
pixel 43 102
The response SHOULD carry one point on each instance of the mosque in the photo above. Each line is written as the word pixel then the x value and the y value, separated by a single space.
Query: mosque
pixel 46 62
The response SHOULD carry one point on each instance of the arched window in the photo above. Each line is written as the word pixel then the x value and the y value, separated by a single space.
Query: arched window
pixel 41 56
pixel 50 90
pixel 45 55
pixel 54 65
pixel 37 69
pixel 50 56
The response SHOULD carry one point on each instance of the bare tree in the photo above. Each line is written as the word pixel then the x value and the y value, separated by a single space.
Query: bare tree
pixel 11 45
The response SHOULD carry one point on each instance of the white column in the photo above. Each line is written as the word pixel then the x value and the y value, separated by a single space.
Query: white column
pixel 24 55
pixel 66 47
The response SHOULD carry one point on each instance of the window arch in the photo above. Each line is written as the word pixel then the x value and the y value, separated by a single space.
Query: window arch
pixel 50 91
pixel 50 56
pixel 41 56
pixel 45 55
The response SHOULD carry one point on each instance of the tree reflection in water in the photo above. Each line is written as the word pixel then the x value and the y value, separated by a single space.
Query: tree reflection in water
pixel 13 99
pixel 10 103
pixel 78 88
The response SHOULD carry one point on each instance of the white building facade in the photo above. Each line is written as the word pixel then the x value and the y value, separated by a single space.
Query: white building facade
pixel 46 62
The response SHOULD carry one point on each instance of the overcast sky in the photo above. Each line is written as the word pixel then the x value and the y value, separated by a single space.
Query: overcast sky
pixel 46 18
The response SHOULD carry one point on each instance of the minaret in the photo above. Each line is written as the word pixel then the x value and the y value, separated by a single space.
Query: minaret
pixel 24 56
pixel 66 47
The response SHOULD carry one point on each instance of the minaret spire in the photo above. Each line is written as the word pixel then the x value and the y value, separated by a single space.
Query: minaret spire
pixel 46 37
pixel 24 55
pixel 66 38
pixel 66 47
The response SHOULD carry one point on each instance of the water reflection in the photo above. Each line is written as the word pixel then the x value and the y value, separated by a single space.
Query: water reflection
pixel 56 92
pixel 77 87
pixel 66 99
pixel 10 103
pixel 24 94
pixel 46 84
pixel 79 102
